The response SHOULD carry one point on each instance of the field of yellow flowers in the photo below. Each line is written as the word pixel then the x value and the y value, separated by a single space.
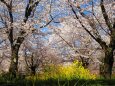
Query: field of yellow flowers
pixel 68 72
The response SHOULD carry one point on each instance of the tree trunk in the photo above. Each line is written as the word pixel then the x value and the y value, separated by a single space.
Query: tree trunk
pixel 14 55
pixel 33 70
pixel 106 68
pixel 14 60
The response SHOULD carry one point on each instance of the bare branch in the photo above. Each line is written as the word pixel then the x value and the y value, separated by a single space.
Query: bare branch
pixel 105 15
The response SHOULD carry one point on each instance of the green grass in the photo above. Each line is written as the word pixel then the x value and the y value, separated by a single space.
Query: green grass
pixel 19 81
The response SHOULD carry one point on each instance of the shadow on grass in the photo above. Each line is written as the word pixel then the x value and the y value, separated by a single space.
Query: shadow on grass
pixel 52 82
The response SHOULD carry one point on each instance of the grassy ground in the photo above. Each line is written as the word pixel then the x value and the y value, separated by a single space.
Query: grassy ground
pixel 52 82
pixel 6 80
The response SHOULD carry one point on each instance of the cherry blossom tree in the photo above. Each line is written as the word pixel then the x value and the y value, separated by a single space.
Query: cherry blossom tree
pixel 18 19
pixel 100 25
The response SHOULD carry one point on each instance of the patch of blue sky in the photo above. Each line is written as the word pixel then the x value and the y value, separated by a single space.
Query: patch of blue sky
pixel 17 17
pixel 89 3
pixel 1 42
pixel 58 14
pixel 45 30
pixel 46 38
pixel 77 43
pixel 40 8
pixel 36 26
pixel 88 12
pixel 58 24
pixel 1 24
pixel 101 31
pixel 2 9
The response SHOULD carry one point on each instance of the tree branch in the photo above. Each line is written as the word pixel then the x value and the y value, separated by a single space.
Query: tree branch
pixel 30 7
pixel 10 33
pixel 105 15
pixel 99 40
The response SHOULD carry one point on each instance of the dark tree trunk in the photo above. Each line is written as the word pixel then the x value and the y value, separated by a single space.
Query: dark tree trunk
pixel 14 56
pixel 14 61
pixel 106 67
pixel 33 70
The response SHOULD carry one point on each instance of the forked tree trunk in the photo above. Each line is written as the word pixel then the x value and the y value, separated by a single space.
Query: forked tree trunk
pixel 14 56
pixel 106 68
